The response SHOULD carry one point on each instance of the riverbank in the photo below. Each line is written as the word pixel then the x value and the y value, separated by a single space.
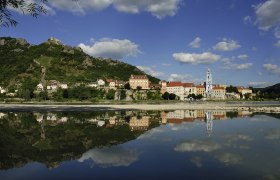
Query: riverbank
pixel 234 106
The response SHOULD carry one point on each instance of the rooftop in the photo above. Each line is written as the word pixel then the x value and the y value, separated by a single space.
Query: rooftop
pixel 138 77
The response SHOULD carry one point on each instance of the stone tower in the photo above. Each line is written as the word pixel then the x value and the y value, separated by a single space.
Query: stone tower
pixel 208 85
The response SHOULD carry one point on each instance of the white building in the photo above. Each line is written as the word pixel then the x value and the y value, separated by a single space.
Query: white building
pixel 218 92
pixel 2 90
pixel 40 87
pixel 112 84
pixel 182 90
pixel 52 85
pixel 63 86
pixel 244 91
pixel 100 82
pixel 176 88
pixel 189 88
pixel 93 84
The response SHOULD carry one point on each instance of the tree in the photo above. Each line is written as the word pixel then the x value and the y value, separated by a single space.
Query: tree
pixel 127 86
pixel 123 94
pixel 165 96
pixel 247 95
pixel 191 96
pixel 231 89
pixel 172 96
pixel 138 88
pixel 65 94
pixel 110 94
pixel 200 96
pixel 31 8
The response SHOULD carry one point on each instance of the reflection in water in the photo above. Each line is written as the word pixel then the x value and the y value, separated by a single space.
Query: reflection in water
pixel 114 156
pixel 197 145
pixel 183 138
pixel 209 122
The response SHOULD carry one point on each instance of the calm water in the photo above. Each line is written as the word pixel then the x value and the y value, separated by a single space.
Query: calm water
pixel 143 144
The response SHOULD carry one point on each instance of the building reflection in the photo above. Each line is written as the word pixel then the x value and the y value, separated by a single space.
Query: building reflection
pixel 139 123
pixel 135 120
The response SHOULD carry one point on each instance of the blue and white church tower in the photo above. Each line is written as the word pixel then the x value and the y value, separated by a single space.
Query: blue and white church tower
pixel 208 85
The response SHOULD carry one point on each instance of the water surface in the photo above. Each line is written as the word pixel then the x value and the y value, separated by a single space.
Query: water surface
pixel 181 144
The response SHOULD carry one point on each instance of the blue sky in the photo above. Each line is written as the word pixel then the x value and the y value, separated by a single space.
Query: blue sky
pixel 170 39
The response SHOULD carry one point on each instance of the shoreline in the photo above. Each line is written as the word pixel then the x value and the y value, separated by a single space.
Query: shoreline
pixel 248 106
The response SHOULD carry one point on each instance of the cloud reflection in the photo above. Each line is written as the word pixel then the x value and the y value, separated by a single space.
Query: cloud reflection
pixel 197 145
pixel 111 156
pixel 197 161
pixel 229 158
pixel 273 135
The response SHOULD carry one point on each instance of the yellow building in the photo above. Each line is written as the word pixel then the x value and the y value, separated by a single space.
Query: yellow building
pixel 200 89
pixel 139 124
pixel 139 81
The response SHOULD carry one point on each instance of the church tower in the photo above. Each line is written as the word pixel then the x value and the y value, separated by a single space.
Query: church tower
pixel 208 85
pixel 209 122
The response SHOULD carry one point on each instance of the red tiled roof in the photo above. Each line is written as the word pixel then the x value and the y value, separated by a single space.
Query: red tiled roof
pixel 188 119
pixel 175 121
pixel 200 86
pixel 109 80
pixel 218 88
pixel 173 84
pixel 188 84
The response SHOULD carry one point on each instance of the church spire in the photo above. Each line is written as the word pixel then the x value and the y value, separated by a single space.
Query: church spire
pixel 209 85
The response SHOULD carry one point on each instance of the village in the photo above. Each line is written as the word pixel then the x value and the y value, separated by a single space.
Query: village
pixel 138 87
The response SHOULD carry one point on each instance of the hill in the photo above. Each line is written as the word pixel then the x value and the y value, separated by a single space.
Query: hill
pixel 272 92
pixel 23 63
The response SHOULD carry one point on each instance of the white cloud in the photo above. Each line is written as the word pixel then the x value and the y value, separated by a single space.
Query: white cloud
pixel 166 64
pixel 111 48
pixel 113 156
pixel 196 145
pixel 272 68
pixel 229 158
pixel 277 44
pixel 81 7
pixel 158 8
pixel 277 32
pixel 247 20
pixel 243 56
pixel 259 84
pixel 195 43
pixel 268 14
pixel 150 71
pixel 228 64
pixel 226 45
pixel 180 77
pixel 204 58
